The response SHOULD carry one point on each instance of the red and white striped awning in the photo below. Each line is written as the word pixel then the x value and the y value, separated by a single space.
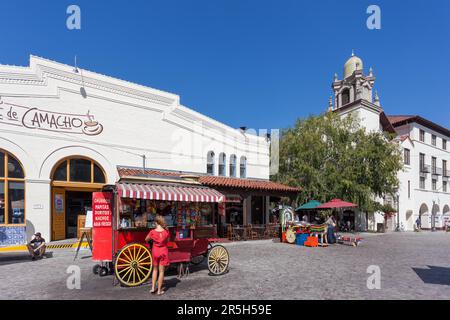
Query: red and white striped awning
pixel 169 192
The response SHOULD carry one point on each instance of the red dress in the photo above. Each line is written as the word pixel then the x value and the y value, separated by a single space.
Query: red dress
pixel 160 251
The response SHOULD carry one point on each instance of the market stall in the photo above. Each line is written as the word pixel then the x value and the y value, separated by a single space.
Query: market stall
pixel 124 214
pixel 341 207
pixel 308 208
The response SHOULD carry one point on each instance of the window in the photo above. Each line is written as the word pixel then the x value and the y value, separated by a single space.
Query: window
pixel 444 168
pixel 444 144
pixel 243 167
pixel 233 165
pixel 12 190
pixel 210 163
pixel 433 165
pixel 407 156
pixel 345 96
pixel 422 162
pixel 422 135
pixel 99 177
pixel 433 140
pixel 222 164
pixel 422 183
pixel 444 186
pixel 79 170
pixel 434 184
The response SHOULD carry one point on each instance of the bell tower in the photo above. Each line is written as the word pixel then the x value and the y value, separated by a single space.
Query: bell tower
pixel 354 94
pixel 355 85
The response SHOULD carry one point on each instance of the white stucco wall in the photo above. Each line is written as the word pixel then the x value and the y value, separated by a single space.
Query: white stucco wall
pixel 136 121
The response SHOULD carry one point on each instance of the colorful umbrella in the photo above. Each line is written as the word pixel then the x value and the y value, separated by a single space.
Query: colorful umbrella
pixel 337 204
pixel 311 205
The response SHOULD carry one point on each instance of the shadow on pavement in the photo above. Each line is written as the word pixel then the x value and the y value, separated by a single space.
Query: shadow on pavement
pixel 19 257
pixel 434 275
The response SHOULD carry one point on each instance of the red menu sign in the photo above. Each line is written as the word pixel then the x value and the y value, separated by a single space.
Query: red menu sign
pixel 102 226
pixel 102 209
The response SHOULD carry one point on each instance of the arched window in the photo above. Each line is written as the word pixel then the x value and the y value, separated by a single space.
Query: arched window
pixel 345 96
pixel 210 163
pixel 79 170
pixel 12 190
pixel 243 167
pixel 233 165
pixel 222 164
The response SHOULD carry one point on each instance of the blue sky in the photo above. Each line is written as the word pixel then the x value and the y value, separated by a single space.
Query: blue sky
pixel 259 64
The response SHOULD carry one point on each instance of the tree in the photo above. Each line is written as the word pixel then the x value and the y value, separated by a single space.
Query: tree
pixel 329 156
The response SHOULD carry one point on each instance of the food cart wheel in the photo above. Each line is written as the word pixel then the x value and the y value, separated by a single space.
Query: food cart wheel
pixel 96 269
pixel 290 236
pixel 218 260
pixel 197 260
pixel 103 271
pixel 133 265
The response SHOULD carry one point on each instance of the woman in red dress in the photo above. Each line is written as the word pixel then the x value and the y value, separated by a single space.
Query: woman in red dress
pixel 160 252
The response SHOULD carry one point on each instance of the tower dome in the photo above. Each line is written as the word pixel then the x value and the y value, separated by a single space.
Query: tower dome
pixel 352 64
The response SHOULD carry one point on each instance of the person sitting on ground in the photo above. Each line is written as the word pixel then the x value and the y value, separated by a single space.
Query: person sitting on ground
pixel 160 252
pixel 36 246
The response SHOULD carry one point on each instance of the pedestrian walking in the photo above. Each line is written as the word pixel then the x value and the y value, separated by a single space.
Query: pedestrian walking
pixel 418 224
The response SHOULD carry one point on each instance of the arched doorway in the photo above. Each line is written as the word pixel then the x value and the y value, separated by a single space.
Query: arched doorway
pixel 424 216
pixel 73 181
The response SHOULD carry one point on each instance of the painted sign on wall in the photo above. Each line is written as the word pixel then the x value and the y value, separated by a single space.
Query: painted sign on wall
pixel 34 118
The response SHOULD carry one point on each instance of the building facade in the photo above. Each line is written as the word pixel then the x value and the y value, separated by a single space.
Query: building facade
pixel 424 191
pixel 64 132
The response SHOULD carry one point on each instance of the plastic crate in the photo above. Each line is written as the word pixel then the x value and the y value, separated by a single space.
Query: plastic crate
pixel 301 238
pixel 312 242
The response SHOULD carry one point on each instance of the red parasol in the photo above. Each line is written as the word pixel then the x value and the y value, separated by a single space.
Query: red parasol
pixel 336 204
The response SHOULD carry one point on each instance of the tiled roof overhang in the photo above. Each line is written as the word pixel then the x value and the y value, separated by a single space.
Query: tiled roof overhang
pixel 400 120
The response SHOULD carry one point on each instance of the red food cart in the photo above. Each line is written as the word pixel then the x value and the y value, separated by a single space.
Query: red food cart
pixel 123 215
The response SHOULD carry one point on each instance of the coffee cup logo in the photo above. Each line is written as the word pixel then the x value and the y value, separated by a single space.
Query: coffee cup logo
pixel 92 127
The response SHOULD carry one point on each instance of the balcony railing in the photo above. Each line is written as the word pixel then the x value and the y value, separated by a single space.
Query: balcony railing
pixel 446 173
pixel 436 171
pixel 425 168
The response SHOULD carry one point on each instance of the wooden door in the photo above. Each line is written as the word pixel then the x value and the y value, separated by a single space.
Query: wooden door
pixel 58 214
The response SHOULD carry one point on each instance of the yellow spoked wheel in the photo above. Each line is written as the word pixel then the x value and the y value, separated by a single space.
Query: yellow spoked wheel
pixel 290 236
pixel 133 265
pixel 218 260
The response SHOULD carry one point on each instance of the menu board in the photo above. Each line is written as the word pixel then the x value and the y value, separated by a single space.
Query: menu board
pixel 102 213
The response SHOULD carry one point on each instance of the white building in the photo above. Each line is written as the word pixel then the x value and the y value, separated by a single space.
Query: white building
pixel 65 132
pixel 424 183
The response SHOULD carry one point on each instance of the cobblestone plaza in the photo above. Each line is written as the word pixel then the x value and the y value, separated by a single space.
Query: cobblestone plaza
pixel 412 265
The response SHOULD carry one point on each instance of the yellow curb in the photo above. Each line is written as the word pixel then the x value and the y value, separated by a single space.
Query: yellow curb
pixel 50 246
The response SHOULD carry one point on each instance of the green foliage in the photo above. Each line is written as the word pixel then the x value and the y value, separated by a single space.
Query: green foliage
pixel 329 156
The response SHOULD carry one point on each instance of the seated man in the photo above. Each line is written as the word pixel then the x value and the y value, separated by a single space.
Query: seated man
pixel 36 246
